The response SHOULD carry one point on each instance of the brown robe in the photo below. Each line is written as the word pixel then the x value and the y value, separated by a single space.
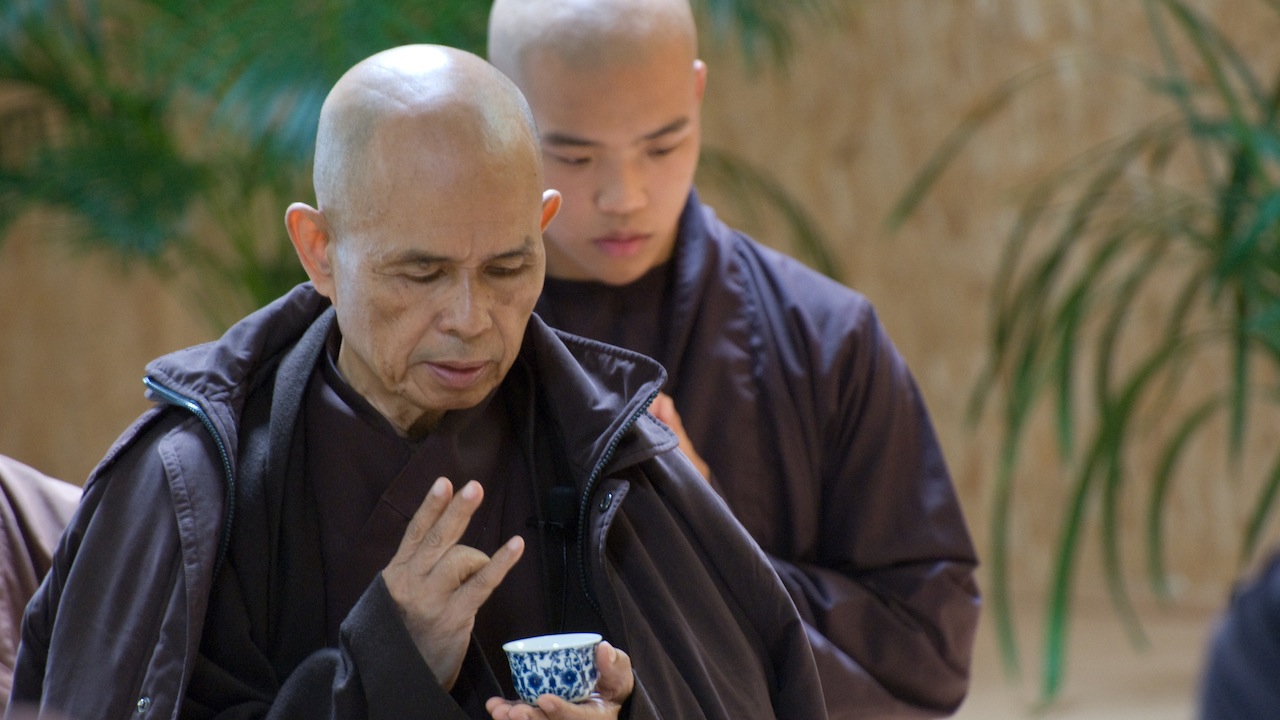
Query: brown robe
pixel 368 482
pixel 818 439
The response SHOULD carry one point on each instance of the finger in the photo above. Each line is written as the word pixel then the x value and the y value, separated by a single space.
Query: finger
pixel 617 681
pixel 485 579
pixel 553 706
pixel 521 711
pixel 432 507
pixel 448 529
pixel 674 414
pixel 455 567
pixel 662 408
pixel 449 526
pixel 502 709
pixel 556 708
pixel 498 708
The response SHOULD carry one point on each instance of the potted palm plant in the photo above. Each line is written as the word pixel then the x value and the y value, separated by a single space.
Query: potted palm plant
pixel 1180 217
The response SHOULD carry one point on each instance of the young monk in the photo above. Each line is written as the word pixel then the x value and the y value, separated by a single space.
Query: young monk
pixel 783 388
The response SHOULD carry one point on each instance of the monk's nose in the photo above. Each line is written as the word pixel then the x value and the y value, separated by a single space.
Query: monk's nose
pixel 622 188
pixel 466 312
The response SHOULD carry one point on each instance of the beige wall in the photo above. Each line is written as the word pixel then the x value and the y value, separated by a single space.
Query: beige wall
pixel 75 333
pixel 864 105
pixel 863 108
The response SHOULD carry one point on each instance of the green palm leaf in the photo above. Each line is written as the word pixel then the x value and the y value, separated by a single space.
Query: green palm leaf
pixel 1092 241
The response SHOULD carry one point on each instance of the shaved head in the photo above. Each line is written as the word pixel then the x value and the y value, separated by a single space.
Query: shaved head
pixel 430 105
pixel 428 235
pixel 586 33
pixel 616 89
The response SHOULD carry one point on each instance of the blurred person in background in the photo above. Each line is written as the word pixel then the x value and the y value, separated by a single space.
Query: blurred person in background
pixel 1241 675
pixel 34 509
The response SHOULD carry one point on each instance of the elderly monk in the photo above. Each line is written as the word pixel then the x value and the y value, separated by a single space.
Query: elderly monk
pixel 785 390
pixel 277 538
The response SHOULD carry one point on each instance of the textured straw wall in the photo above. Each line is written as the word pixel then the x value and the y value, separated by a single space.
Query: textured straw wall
pixel 862 108
pixel 865 102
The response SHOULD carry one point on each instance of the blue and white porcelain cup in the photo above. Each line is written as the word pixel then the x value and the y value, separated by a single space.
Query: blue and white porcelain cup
pixel 563 665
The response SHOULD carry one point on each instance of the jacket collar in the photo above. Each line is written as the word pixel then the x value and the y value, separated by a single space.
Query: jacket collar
pixel 595 393
pixel 218 371
pixel 697 259
pixel 218 375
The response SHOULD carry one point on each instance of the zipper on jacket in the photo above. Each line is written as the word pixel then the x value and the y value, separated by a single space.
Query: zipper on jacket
pixel 174 398
pixel 585 505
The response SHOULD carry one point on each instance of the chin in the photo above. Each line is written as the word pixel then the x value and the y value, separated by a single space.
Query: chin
pixel 615 272
pixel 468 398
pixel 624 277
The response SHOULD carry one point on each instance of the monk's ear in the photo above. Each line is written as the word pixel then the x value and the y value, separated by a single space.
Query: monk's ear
pixel 699 78
pixel 550 206
pixel 309 233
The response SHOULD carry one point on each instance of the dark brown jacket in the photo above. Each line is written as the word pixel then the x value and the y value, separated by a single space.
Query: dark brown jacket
pixel 114 630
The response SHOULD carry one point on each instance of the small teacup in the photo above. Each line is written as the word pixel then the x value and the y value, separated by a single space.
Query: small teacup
pixel 563 665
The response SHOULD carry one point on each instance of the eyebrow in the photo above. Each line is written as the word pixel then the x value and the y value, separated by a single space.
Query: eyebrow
pixel 567 140
pixel 417 257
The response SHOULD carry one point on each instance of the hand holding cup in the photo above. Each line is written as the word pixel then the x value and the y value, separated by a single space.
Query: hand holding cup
pixel 613 686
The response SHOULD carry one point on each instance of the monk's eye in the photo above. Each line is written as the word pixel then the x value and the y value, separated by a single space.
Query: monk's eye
pixel 424 274
pixel 507 269
pixel 667 145
pixel 570 160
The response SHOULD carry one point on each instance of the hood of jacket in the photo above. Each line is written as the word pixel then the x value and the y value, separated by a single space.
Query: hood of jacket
pixel 595 392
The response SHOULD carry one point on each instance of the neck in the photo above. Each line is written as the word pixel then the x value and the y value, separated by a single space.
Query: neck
pixel 408 420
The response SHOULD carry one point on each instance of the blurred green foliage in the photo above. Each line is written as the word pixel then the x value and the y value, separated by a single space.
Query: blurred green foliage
pixel 174 133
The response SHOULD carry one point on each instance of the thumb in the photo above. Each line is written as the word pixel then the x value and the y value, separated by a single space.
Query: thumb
pixel 616 679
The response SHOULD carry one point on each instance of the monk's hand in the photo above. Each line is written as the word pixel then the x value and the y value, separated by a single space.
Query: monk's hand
pixel 439 584
pixel 615 685
pixel 664 408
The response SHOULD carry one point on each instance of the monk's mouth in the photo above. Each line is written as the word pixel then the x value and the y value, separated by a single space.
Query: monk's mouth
pixel 621 245
pixel 458 375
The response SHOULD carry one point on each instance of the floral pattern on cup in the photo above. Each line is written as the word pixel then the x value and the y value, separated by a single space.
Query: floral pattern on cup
pixel 563 665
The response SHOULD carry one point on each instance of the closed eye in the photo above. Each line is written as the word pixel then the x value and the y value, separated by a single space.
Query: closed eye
pixel 507 270
pixel 668 145
pixel 425 277
pixel 572 160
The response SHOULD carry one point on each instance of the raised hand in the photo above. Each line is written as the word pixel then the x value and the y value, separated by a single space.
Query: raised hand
pixel 439 584
pixel 615 685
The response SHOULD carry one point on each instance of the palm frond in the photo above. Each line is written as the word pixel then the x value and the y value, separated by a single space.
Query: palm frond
pixel 1092 241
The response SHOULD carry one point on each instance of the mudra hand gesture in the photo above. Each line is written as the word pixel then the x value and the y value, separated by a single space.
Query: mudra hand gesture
pixel 439 584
